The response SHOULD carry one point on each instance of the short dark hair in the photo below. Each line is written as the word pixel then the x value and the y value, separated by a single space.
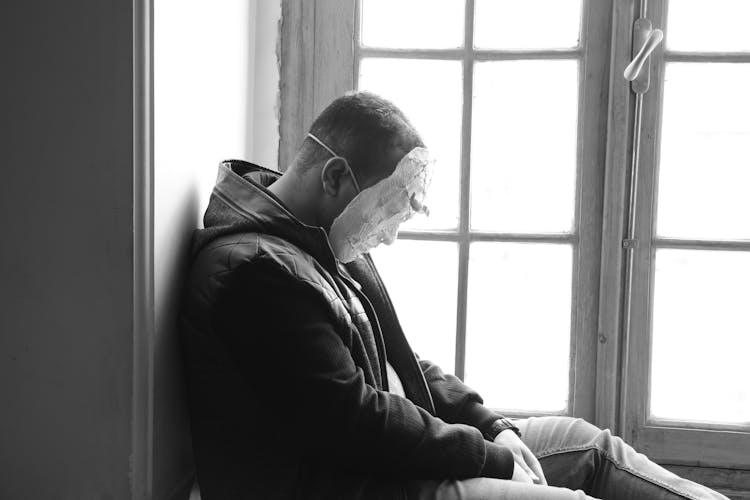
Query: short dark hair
pixel 365 129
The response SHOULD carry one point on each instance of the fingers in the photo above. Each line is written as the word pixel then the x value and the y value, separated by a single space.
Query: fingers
pixel 529 471
pixel 535 466
pixel 524 458
pixel 519 473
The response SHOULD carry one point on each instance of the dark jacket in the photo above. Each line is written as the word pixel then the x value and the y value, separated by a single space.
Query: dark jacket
pixel 285 352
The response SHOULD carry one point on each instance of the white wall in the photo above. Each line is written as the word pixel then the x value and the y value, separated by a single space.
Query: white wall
pixel 215 91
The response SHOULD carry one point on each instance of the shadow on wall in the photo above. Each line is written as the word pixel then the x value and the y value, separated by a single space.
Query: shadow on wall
pixel 201 82
pixel 215 91
pixel 172 453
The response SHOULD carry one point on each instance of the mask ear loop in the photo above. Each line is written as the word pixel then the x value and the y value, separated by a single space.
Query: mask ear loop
pixel 348 168
pixel 335 157
pixel 351 173
pixel 322 144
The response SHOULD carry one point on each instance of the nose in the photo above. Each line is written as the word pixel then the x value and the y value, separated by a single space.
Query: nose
pixel 388 237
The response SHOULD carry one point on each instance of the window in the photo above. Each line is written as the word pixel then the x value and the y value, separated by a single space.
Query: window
pixel 687 399
pixel 502 240
pixel 635 321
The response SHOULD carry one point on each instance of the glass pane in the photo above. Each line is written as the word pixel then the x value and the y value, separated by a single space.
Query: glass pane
pixel 701 336
pixel 718 25
pixel 523 150
pixel 421 278
pixel 704 172
pixel 518 325
pixel 413 24
pixel 530 24
pixel 429 92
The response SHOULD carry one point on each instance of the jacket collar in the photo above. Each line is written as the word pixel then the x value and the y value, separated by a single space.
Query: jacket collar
pixel 241 187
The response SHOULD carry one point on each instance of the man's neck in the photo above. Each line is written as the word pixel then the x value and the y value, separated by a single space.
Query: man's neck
pixel 292 193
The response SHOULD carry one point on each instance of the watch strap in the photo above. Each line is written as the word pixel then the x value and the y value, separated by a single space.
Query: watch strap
pixel 499 426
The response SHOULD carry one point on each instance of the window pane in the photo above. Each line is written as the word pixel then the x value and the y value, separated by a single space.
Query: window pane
pixel 701 336
pixel 530 24
pixel 704 172
pixel 518 325
pixel 413 24
pixel 421 278
pixel 523 147
pixel 718 25
pixel 429 93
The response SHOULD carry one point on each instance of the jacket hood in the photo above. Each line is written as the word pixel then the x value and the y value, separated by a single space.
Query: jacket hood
pixel 240 202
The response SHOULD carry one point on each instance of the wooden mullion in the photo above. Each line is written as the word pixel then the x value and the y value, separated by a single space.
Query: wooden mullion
pixel 695 244
pixel 475 54
pixel 462 308
pixel 586 237
pixel 465 190
pixel 448 54
pixel 511 55
pixel 707 57
pixel 619 117
pixel 471 236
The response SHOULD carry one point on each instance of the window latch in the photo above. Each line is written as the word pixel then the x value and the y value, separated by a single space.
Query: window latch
pixel 645 40
pixel 630 243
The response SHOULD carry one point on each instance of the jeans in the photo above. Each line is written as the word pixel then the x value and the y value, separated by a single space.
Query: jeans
pixel 580 461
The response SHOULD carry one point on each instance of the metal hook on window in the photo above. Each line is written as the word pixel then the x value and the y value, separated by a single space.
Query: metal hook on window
pixel 636 65
pixel 645 40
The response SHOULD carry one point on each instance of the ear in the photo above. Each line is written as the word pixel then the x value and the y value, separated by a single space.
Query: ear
pixel 332 175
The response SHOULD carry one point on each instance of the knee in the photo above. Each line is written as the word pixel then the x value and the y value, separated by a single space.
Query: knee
pixel 600 438
pixel 605 438
pixel 555 433
pixel 587 429
pixel 609 444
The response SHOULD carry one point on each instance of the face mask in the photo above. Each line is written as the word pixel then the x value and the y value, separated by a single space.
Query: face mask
pixel 374 215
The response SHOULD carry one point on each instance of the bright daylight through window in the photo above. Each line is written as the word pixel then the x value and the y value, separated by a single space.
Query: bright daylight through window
pixel 499 244
pixel 503 232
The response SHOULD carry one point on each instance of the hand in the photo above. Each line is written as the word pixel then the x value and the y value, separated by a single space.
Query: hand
pixel 520 475
pixel 526 462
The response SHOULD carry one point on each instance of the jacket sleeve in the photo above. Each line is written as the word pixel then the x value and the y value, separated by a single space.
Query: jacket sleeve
pixel 282 333
pixel 455 402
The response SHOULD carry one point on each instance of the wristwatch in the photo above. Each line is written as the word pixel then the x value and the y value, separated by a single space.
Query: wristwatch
pixel 499 426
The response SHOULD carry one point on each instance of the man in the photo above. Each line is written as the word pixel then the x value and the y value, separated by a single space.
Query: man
pixel 302 384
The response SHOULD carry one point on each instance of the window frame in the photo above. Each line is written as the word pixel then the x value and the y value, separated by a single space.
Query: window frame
pixel 320 33
pixel 584 247
pixel 320 57
pixel 670 441
pixel 666 442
